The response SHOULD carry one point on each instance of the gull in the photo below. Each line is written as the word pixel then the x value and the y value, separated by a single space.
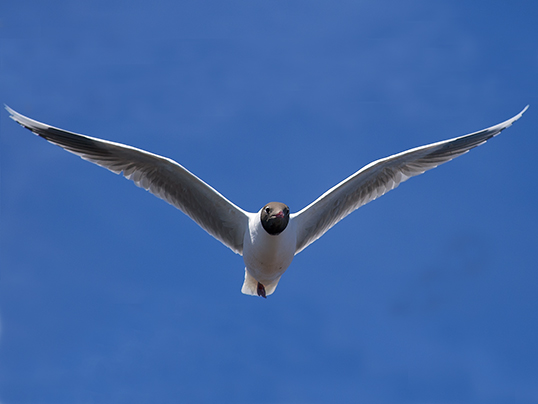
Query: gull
pixel 270 238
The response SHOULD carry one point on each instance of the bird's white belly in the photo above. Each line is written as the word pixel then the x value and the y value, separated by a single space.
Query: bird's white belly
pixel 267 257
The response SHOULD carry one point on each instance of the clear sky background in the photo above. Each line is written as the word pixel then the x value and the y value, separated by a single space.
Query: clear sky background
pixel 426 295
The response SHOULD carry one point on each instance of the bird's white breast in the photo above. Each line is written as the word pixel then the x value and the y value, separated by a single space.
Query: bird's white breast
pixel 267 257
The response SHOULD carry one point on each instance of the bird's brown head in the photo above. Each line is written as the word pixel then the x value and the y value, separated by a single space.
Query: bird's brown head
pixel 275 217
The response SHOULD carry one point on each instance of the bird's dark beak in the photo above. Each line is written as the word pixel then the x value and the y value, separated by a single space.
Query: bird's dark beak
pixel 280 214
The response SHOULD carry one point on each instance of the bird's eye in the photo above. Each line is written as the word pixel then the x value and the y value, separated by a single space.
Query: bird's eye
pixel 286 211
pixel 267 210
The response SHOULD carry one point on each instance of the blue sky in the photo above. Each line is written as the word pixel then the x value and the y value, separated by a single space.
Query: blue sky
pixel 427 295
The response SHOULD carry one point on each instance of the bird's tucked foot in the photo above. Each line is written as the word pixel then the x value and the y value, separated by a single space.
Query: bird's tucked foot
pixel 261 290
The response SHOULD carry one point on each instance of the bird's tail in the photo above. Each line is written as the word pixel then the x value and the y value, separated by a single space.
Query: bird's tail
pixel 250 286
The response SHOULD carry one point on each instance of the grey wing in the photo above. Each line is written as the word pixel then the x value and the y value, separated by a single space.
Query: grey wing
pixel 161 176
pixel 379 177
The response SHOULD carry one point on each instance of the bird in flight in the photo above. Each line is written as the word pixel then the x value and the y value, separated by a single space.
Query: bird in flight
pixel 269 239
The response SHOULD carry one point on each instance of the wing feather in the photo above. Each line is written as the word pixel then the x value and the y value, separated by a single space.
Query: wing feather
pixel 159 175
pixel 379 177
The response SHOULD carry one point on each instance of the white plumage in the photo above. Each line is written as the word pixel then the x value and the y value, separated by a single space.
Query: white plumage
pixel 266 255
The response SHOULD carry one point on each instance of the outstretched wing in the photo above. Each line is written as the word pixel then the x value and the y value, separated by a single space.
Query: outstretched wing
pixel 379 177
pixel 161 176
